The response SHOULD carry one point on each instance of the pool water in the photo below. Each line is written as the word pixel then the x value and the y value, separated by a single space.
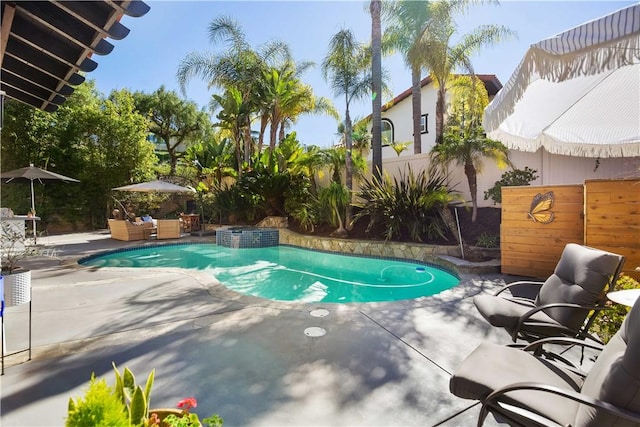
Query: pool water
pixel 285 273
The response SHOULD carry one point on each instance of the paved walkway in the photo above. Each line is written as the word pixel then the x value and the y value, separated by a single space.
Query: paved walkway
pixel 244 358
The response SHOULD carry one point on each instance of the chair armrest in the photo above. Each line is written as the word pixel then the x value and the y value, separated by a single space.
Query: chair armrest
pixel 492 401
pixel 562 341
pixel 528 314
pixel 520 283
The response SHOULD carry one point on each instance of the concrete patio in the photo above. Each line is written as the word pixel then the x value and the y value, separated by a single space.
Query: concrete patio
pixel 245 358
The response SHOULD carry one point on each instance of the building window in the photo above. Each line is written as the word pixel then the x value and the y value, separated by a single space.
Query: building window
pixel 423 123
pixel 387 132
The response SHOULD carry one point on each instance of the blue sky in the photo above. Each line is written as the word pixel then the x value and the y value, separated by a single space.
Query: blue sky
pixel 149 56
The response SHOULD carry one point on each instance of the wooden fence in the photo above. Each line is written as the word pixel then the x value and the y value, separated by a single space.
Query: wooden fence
pixel 612 219
pixel 604 214
pixel 530 248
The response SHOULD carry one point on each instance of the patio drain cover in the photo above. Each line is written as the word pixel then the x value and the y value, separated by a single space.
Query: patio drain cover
pixel 315 332
pixel 319 312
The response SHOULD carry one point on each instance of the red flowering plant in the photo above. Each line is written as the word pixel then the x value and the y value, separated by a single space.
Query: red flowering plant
pixel 186 418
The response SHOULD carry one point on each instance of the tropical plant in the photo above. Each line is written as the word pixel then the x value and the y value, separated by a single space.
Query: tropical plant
pixel 434 49
pixel 134 398
pixel 231 204
pixel 214 157
pixel 486 240
pixel 331 203
pixel 361 136
pixel 233 115
pixel 346 67
pixel 406 207
pixel 174 121
pixel 267 189
pixel 465 141
pixel 510 178
pixel 407 22
pixel 608 322
pixel 127 404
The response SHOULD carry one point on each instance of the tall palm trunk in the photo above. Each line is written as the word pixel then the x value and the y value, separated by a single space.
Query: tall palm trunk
pixel 248 142
pixel 376 88
pixel 264 120
pixel 348 169
pixel 416 97
pixel 440 114
pixel 472 179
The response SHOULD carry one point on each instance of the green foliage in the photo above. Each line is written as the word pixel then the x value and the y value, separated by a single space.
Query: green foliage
pixel 192 420
pixel 406 207
pixel 608 322
pixel 231 204
pixel 131 395
pixel 331 202
pixel 173 120
pixel 102 142
pixel 486 240
pixel 510 178
pixel 127 404
pixel 100 407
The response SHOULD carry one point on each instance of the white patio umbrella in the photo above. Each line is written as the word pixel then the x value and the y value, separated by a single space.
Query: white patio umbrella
pixel 156 186
pixel 30 174
pixel 577 93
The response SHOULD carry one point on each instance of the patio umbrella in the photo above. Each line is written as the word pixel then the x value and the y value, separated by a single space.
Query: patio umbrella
pixel 577 93
pixel 30 174
pixel 156 187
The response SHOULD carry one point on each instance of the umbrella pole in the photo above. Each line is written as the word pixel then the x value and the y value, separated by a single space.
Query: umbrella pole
pixel 33 211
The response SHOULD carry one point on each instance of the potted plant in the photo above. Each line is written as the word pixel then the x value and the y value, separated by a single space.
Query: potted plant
pixel 127 404
pixel 17 280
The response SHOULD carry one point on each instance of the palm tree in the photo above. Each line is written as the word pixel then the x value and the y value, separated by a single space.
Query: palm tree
pixel 233 119
pixel 408 21
pixel 376 87
pixel 237 67
pixel 464 140
pixel 441 58
pixel 346 67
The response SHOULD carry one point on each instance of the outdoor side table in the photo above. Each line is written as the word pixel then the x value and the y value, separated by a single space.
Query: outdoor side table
pixel 626 297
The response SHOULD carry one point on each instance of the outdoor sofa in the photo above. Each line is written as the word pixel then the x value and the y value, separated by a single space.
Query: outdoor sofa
pixel 128 231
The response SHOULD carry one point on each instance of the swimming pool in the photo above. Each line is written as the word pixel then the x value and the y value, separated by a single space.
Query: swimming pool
pixel 286 273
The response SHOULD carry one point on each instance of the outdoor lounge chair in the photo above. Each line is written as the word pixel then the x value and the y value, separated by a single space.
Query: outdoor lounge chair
pixel 564 305
pixel 523 389
pixel 168 229
pixel 128 231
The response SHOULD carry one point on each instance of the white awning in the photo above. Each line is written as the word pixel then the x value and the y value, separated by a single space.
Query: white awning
pixel 577 93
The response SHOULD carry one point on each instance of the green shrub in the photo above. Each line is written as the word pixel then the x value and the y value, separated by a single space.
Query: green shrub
pixel 100 407
pixel 486 240
pixel 408 206
pixel 510 178
pixel 608 322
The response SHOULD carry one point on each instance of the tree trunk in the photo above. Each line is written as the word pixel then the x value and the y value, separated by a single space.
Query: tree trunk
pixel 263 127
pixel 281 134
pixel 348 170
pixel 416 101
pixel 273 131
pixel 376 88
pixel 472 179
pixel 450 222
pixel 440 115
pixel 247 141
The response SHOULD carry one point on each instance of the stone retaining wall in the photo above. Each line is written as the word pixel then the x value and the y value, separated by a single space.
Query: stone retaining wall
pixel 412 251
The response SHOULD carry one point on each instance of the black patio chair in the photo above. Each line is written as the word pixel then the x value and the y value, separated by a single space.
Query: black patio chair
pixel 523 389
pixel 564 305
